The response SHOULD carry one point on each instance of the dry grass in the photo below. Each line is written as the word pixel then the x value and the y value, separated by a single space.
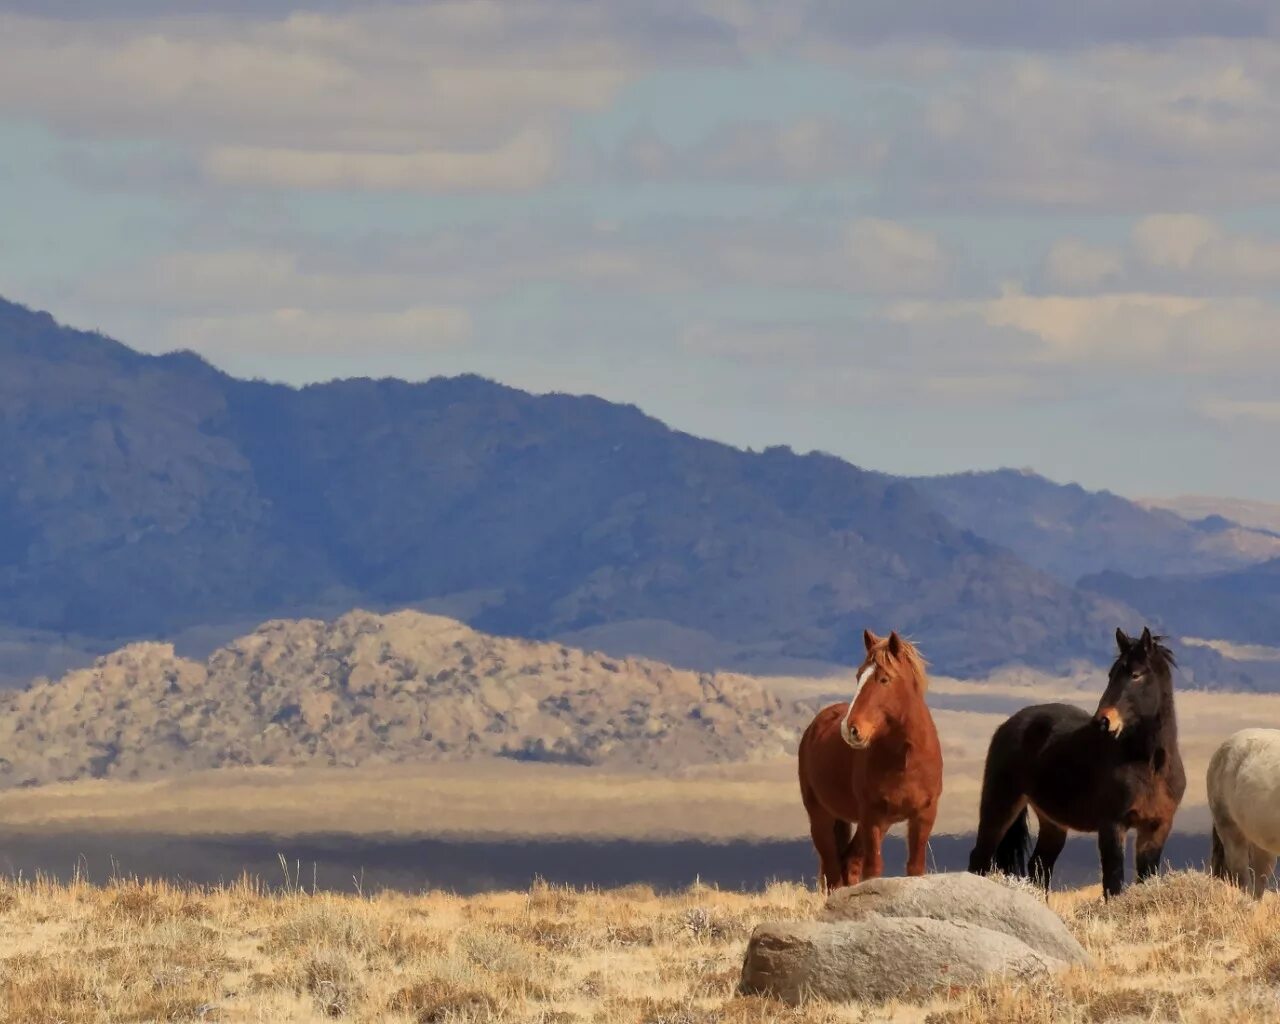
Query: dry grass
pixel 1185 948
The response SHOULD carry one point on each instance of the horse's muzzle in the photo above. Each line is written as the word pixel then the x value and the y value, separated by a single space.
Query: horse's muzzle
pixel 1109 721
pixel 851 736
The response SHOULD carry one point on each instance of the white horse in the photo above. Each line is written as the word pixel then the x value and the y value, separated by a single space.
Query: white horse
pixel 1244 796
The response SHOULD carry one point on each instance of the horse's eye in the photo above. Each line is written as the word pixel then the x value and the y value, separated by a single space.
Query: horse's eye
pixel 884 680
pixel 1138 675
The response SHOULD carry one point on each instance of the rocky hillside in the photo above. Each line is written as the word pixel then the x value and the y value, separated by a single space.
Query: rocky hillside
pixel 368 689
pixel 142 495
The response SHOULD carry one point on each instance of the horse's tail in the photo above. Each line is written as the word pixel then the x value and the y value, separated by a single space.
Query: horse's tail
pixel 1014 849
pixel 1217 856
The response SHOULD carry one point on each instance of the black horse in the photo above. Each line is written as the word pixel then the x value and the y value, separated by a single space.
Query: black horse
pixel 1116 770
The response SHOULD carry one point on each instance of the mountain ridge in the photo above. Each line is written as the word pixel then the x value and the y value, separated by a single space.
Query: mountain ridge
pixel 1071 532
pixel 143 495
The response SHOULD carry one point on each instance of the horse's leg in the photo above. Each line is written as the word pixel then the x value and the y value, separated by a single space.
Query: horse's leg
pixel 1149 847
pixel 1111 851
pixel 1233 862
pixel 918 830
pixel 998 811
pixel 872 858
pixel 1261 864
pixel 822 829
pixel 842 833
pixel 1217 855
pixel 1049 843
pixel 854 858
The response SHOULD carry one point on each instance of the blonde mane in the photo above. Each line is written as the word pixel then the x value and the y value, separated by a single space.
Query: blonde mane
pixel 908 655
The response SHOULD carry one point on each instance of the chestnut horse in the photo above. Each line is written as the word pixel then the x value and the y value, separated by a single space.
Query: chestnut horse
pixel 872 763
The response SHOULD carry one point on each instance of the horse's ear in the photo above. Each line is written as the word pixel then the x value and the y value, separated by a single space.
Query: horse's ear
pixel 895 644
pixel 869 639
pixel 1148 643
pixel 1122 641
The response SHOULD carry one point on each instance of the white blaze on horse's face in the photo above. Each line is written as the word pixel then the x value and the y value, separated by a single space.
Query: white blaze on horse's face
pixel 845 733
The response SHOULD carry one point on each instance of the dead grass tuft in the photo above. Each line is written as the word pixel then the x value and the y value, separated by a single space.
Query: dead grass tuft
pixel 334 981
pixel 437 1001
pixel 323 920
pixel 498 951
pixel 39 990
pixel 1123 1003
pixel 1179 892
pixel 147 903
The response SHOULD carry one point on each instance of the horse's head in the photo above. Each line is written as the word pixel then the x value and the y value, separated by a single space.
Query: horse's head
pixel 1139 684
pixel 890 678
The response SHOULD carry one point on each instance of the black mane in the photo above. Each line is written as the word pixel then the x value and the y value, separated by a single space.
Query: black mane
pixel 1161 652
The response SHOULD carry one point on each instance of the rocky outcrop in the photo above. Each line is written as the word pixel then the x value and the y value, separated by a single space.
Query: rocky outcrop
pixel 379 689
pixel 901 938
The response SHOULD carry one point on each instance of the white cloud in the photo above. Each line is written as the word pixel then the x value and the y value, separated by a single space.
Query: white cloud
pixel 1168 253
pixel 886 256
pixel 1192 124
pixel 475 262
pixel 1076 265
pixel 990 24
pixel 864 256
pixel 522 162
pixel 1167 334
pixel 424 96
pixel 1235 410
pixel 1205 254
pixel 429 96
pixel 1172 240
pixel 438 97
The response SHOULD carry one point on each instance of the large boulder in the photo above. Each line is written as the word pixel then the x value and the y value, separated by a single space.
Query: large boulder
pixel 960 897
pixel 881 958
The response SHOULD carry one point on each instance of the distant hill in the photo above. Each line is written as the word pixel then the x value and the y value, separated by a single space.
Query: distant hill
pixel 379 689
pixel 1241 606
pixel 1256 515
pixel 1071 532
pixel 143 495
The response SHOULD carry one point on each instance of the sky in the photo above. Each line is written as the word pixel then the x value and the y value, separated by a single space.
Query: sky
pixel 926 237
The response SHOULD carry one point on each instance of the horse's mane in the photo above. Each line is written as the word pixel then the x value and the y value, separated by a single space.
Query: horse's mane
pixel 908 654
pixel 1159 649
